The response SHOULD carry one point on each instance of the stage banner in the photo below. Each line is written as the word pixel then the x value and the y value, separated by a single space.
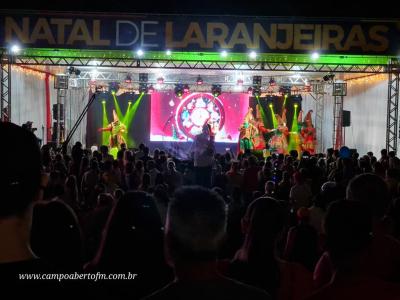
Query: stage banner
pixel 176 119
pixel 199 33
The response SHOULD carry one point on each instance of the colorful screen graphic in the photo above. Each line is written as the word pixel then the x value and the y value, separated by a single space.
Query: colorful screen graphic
pixel 181 119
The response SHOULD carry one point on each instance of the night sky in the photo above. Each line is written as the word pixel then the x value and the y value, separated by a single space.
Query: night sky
pixel 313 8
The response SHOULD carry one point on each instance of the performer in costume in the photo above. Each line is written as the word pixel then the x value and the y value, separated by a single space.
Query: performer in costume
pixel 278 143
pixel 117 129
pixel 308 134
pixel 258 138
pixel 247 132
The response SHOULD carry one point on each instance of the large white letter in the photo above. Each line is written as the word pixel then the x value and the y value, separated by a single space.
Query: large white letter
pixel 143 44
pixel 133 25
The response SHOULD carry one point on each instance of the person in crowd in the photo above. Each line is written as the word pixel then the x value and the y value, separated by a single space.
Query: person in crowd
pixel 302 241
pixel 256 263
pixel 56 235
pixel 384 249
pixel 284 187
pixel 250 178
pixel 132 242
pixel 173 178
pixel 195 228
pixel 234 178
pixel 349 227
pixel 300 193
pixel 71 195
pixel 384 160
pixel 95 221
pixel 21 185
pixel 152 171
pixel 89 180
pixel 270 190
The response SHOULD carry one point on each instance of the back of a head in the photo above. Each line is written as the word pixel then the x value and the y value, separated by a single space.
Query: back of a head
pixel 133 234
pixel 56 233
pixel 196 224
pixel 20 173
pixel 371 190
pixel 265 217
pixel 348 226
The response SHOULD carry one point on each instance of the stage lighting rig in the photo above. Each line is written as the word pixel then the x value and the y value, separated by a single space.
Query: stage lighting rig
pixel 178 90
pixel 216 90
pixel 257 80
pixel 143 88
pixel 199 80
pixel 256 91
pixel 329 77
pixel 74 71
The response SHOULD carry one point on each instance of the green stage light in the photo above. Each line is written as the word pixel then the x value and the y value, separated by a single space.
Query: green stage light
pixel 296 105
pixel 129 102
pixel 104 101
pixel 270 106
pixel 113 92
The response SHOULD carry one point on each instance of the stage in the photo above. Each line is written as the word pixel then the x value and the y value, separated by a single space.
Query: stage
pixel 162 96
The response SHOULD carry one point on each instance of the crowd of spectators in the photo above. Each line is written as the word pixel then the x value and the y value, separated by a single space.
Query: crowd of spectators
pixel 285 227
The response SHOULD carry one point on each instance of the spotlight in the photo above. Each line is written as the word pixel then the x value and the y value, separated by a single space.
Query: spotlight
pixel 129 102
pixel 329 77
pixel 15 49
pixel 314 55
pixel 140 53
pixel 256 91
pixel 257 80
pixel 199 80
pixel 253 54
pixel 74 71
pixel 168 52
pixel 224 53
pixel 186 88
pixel 285 90
pixel 104 101
pixel 143 89
pixel 128 78
pixel 113 87
pixel 272 82
pixel 178 90
pixel 295 105
pixel 143 77
pixel 216 90
pixel 151 89
pixel 271 105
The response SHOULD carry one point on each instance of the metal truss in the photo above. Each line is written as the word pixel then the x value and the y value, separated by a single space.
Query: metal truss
pixel 199 64
pixel 5 77
pixel 337 137
pixel 318 92
pixel 392 106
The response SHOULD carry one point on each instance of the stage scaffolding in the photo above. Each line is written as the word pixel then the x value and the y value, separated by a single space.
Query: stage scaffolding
pixel 201 63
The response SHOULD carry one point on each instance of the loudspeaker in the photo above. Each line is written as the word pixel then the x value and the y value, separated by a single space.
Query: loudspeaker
pixel 55 110
pixel 346 118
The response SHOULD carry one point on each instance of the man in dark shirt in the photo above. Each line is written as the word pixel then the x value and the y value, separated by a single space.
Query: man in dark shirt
pixel 20 183
pixel 195 227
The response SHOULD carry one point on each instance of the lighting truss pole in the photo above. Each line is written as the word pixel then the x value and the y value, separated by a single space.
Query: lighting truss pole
pixel 5 77
pixel 392 106
pixel 318 92
pixel 339 91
